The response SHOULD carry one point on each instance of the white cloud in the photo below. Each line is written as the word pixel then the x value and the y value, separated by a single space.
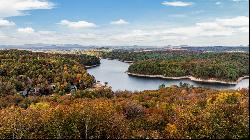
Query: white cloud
pixel 177 3
pixel 244 29
pixel 212 32
pixel 208 25
pixel 27 30
pixel 218 27
pixel 237 21
pixel 2 36
pixel 119 22
pixel 77 25
pixel 45 32
pixel 230 24
pixel 218 3
pixel 10 8
pixel 6 23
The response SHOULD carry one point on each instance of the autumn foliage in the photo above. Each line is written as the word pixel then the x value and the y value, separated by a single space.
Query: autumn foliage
pixel 42 73
pixel 173 112
pixel 68 107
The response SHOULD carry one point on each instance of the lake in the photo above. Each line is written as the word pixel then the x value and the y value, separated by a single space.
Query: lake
pixel 113 72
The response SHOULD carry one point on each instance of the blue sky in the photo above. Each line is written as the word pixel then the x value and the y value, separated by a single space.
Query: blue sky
pixel 125 22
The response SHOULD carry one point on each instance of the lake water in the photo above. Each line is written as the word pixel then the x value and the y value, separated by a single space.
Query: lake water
pixel 113 72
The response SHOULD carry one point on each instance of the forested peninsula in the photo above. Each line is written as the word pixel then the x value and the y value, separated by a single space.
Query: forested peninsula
pixel 43 73
pixel 222 67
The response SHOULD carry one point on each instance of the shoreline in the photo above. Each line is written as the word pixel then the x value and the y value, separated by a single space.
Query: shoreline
pixel 125 61
pixel 129 62
pixel 190 78
pixel 88 67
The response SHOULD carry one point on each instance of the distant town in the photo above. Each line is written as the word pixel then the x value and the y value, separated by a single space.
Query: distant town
pixel 75 48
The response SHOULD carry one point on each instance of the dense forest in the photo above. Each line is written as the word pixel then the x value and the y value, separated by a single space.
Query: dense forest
pixel 45 96
pixel 173 112
pixel 28 72
pixel 127 55
pixel 205 65
pixel 220 66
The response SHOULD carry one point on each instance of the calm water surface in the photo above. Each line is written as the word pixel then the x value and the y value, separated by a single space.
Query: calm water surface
pixel 113 72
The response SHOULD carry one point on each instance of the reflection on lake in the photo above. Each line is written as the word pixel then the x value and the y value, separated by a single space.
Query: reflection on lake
pixel 113 72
